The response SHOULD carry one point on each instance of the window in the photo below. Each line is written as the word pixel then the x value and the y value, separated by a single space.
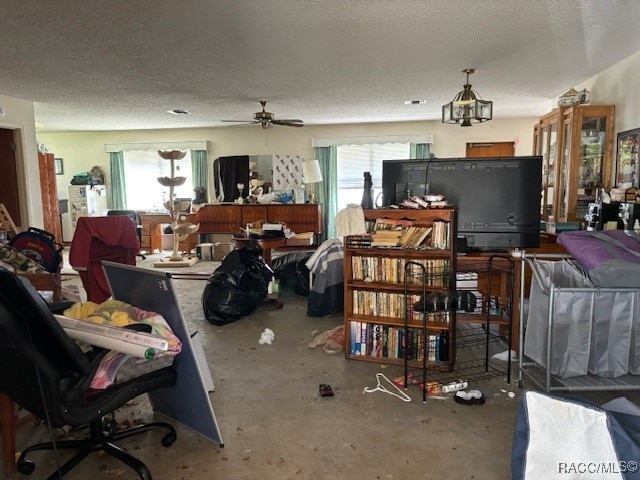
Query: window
pixel 354 160
pixel 141 170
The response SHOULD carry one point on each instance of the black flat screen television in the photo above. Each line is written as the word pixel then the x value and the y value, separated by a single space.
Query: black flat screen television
pixel 498 198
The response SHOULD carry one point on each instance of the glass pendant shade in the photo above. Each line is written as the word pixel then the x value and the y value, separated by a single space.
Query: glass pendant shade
pixel 466 108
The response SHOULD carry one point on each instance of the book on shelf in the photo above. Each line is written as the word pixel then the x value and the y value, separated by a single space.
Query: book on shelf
pixel 396 270
pixel 414 236
pixel 391 224
pixel 467 280
pixel 358 241
pixel 386 238
pixel 393 342
pixel 440 236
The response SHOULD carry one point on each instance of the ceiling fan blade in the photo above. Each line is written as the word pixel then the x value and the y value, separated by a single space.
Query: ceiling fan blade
pixel 240 121
pixel 289 123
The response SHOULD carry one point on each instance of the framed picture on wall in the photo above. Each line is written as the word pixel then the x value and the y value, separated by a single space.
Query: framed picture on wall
pixel 627 159
pixel 59 166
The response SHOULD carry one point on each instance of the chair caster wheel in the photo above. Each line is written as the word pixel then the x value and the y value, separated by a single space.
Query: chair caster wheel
pixel 168 439
pixel 25 467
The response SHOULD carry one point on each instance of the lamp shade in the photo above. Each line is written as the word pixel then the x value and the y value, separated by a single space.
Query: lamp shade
pixel 311 171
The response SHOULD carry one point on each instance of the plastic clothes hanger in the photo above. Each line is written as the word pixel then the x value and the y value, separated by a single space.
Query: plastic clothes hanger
pixel 382 388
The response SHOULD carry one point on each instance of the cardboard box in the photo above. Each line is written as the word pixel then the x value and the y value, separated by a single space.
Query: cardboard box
pixel 301 240
pixel 204 251
pixel 220 250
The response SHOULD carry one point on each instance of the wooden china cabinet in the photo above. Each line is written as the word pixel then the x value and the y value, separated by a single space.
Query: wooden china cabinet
pixel 576 145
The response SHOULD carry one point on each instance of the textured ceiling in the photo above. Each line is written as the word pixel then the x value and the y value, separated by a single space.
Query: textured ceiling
pixel 121 64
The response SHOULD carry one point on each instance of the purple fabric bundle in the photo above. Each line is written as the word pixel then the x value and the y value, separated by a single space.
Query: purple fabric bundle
pixel 611 258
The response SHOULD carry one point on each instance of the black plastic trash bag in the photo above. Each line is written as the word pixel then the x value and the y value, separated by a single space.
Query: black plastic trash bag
pixel 291 271
pixel 237 286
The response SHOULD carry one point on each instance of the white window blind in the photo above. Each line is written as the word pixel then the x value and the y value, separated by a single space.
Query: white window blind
pixel 354 160
pixel 142 169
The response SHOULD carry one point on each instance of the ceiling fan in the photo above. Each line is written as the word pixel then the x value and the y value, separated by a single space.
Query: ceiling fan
pixel 267 119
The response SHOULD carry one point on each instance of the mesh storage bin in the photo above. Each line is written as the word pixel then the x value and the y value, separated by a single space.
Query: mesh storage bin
pixel 574 328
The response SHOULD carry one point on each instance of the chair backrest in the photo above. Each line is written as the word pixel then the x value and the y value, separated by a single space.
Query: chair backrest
pixel 132 214
pixel 38 358
pixel 95 239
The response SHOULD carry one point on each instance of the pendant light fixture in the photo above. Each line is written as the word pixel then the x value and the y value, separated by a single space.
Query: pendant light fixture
pixel 467 107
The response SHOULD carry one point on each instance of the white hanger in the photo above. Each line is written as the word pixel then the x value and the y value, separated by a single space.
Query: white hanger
pixel 381 388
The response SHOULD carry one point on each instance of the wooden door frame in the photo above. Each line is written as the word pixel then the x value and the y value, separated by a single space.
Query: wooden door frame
pixel 21 182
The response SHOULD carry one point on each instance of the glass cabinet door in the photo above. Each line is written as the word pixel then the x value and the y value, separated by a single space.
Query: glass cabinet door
pixel 563 172
pixel 548 145
pixel 590 162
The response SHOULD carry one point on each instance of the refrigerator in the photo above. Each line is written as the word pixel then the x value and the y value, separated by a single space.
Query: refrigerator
pixel 86 201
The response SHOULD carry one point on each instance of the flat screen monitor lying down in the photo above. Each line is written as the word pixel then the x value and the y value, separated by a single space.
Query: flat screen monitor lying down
pixel 187 402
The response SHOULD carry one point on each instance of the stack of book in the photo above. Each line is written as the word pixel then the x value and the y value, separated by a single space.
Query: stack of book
pixel 358 241
pixel 440 235
pixel 413 237
pixel 391 224
pixel 386 238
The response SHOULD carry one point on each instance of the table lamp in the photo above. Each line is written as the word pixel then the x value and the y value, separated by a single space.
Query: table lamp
pixel 311 174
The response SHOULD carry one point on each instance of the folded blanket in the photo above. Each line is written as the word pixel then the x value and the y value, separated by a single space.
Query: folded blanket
pixel 19 262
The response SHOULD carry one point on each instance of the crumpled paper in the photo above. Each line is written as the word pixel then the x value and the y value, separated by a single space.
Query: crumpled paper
pixel 266 338
pixel 332 341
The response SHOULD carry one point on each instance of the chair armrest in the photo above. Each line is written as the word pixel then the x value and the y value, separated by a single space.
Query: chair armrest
pixel 45 281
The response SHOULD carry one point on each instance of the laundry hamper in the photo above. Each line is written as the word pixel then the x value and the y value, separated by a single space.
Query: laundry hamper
pixel 574 328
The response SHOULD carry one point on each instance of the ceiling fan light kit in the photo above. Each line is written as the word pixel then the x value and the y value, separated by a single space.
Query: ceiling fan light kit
pixel 268 119
pixel 467 107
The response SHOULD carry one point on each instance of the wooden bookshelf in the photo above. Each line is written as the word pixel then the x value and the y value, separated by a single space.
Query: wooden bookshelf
pixel 380 291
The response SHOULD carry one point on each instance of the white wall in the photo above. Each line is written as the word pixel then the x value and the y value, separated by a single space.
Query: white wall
pixel 19 116
pixel 81 151
pixel 618 85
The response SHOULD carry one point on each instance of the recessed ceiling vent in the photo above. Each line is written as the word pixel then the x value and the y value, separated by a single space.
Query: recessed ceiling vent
pixel 179 111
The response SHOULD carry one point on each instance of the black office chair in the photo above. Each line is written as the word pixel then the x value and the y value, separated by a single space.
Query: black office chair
pixel 135 218
pixel 46 373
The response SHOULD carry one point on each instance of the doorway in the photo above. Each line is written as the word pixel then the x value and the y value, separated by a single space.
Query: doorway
pixel 491 149
pixel 9 194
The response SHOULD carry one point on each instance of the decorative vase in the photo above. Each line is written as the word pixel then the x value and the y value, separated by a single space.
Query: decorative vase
pixel 367 194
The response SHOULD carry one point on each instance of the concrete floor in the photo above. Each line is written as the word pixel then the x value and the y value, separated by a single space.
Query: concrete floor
pixel 276 426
